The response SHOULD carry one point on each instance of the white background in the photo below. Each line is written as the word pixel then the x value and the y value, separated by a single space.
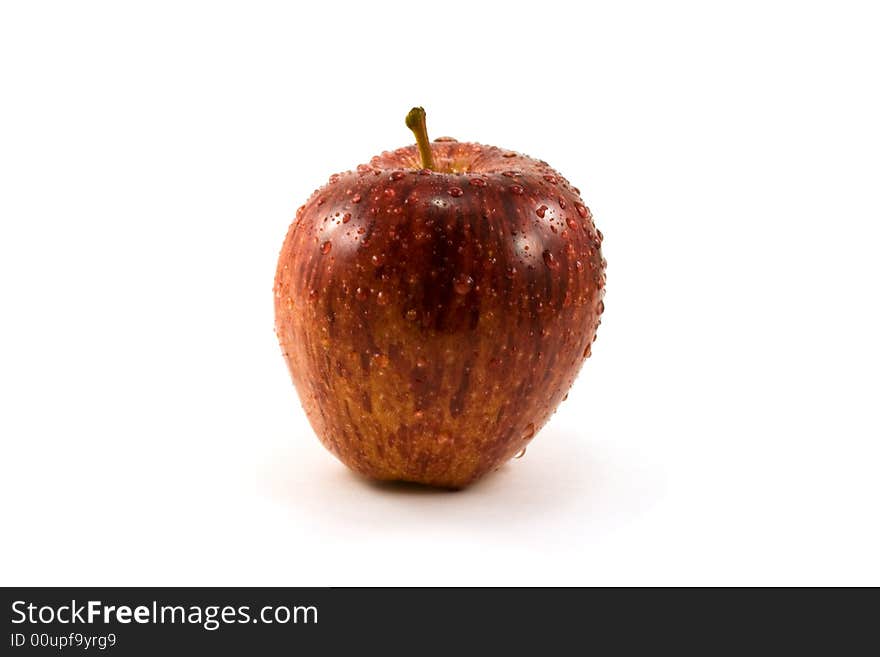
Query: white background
pixel 153 154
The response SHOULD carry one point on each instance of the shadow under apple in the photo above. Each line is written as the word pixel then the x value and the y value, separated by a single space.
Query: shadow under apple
pixel 562 481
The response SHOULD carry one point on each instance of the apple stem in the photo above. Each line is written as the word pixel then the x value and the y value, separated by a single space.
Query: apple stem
pixel 415 121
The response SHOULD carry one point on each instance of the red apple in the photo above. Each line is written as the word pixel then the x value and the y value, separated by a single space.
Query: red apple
pixel 435 306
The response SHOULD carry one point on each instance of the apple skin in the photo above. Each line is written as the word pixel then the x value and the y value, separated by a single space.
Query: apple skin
pixel 432 321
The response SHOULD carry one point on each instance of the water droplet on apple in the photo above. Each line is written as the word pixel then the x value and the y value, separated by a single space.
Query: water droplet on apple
pixel 588 351
pixel 325 248
pixel 583 211
pixel 390 193
pixel 364 169
pixel 579 265
pixel 529 431
pixel 600 235
pixel 520 453
pixel 549 260
pixel 346 217
pixel 478 182
pixel 509 155
pixel 361 293
pixel 511 272
pixel 516 189
pixel 561 203
pixel 382 298
pixel 397 175
pixel 455 192
pixel 550 179
pixel 571 223
pixel 313 294
pixel 541 211
pixel 463 284
pixel 601 308
pixel 356 198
